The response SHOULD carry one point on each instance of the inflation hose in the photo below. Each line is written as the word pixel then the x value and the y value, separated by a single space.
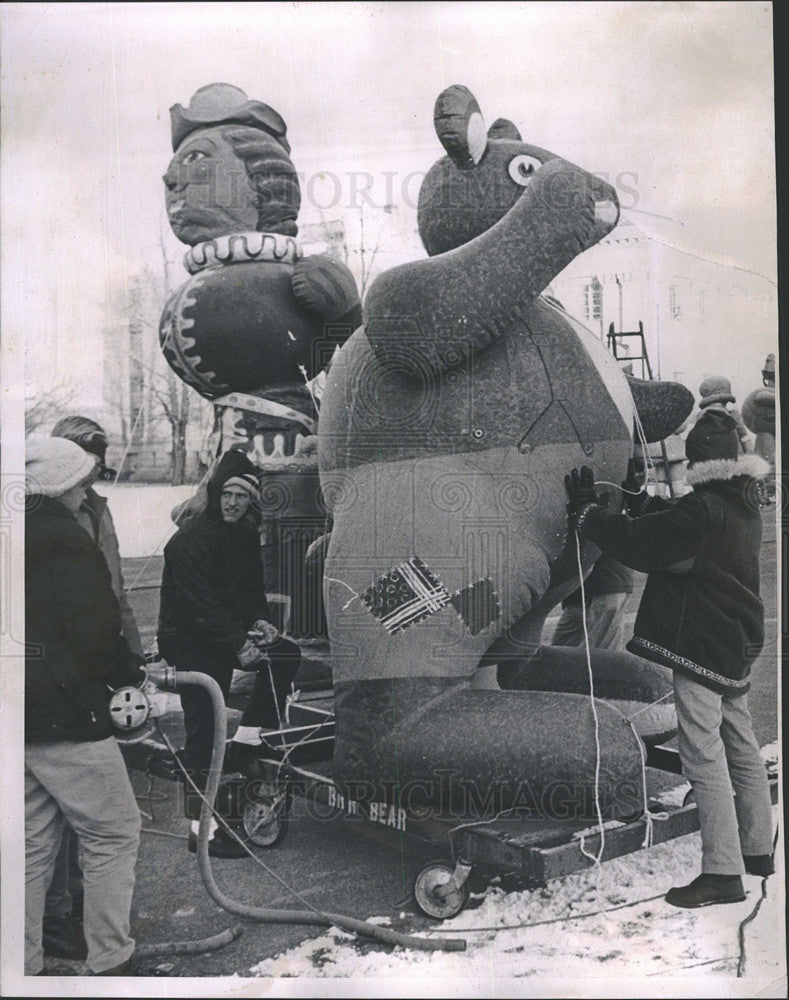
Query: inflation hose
pixel 172 681
pixel 201 947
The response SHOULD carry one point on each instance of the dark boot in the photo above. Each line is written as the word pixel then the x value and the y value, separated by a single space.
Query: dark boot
pixel 759 864
pixel 221 845
pixel 63 938
pixel 706 890
pixel 240 757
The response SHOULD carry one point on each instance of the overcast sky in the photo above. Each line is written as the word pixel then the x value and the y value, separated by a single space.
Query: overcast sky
pixel 677 95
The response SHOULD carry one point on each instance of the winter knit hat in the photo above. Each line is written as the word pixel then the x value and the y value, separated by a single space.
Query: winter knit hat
pixel 233 467
pixel 85 432
pixel 248 482
pixel 54 465
pixel 712 437
pixel 715 389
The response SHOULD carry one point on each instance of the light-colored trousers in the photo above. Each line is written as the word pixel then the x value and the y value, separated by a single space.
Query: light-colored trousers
pixel 87 785
pixel 719 753
pixel 66 878
pixel 605 617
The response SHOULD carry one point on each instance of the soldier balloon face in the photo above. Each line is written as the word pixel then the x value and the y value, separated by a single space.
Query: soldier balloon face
pixel 209 193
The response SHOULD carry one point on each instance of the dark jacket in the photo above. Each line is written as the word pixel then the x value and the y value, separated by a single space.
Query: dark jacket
pixel 95 517
pixel 212 585
pixel 700 612
pixel 74 647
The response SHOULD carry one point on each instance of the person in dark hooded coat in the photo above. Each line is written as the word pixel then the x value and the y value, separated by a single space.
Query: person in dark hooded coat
pixel 701 615
pixel 212 596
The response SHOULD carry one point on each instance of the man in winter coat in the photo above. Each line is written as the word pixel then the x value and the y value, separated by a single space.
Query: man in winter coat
pixel 95 517
pixel 212 596
pixel 63 936
pixel 701 615
pixel 74 771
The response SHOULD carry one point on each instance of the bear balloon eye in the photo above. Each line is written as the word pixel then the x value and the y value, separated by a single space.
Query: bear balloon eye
pixel 521 168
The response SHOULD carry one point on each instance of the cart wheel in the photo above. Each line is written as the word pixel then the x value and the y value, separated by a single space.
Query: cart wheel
pixel 265 821
pixel 430 898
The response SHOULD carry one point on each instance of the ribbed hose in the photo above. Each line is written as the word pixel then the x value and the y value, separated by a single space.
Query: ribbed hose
pixel 264 914
pixel 201 947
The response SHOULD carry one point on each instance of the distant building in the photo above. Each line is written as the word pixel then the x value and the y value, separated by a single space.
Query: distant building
pixel 701 316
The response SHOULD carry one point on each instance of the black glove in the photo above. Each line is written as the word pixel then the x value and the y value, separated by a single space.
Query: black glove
pixel 125 667
pixel 581 493
pixel 633 492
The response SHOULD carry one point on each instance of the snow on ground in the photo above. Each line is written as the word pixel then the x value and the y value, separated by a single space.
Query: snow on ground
pixel 641 950
pixel 142 514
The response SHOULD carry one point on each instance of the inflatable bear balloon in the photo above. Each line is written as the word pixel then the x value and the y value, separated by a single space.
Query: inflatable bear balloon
pixel 257 320
pixel 447 425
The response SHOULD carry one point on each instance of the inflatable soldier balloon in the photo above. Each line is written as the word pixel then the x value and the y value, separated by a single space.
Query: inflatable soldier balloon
pixel 447 425
pixel 257 320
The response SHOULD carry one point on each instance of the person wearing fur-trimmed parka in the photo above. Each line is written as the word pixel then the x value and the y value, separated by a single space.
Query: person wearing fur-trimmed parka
pixel 701 615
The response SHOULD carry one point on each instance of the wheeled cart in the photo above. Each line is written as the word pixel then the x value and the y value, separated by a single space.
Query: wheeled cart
pixel 296 760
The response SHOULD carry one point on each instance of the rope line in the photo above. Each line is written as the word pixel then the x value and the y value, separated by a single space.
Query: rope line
pixel 652 704
pixel 543 923
pixel 618 486
pixel 649 465
pixel 128 445
pixel 332 579
pixel 591 857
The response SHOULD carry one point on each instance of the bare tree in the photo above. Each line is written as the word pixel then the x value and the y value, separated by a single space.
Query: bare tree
pixel 367 254
pixel 361 260
pixel 48 406
pixel 173 397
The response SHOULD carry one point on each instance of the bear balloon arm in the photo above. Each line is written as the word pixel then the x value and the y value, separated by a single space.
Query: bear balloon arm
pixel 445 308
pixel 325 287
pixel 662 407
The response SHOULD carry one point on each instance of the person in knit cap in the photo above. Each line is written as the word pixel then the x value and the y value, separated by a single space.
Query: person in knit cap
pixel 74 771
pixel 701 615
pixel 715 392
pixel 95 517
pixel 213 597
pixel 63 937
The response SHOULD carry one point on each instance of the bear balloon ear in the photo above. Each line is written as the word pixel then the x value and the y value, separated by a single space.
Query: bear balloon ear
pixel 503 128
pixel 459 125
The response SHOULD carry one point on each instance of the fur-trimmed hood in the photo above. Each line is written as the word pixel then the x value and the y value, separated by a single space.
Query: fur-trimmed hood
pixel 727 468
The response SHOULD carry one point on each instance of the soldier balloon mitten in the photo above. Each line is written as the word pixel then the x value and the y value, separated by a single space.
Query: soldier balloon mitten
pixel 250 657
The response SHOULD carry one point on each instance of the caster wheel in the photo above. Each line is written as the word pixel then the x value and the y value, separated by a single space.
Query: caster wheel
pixel 265 820
pixel 431 895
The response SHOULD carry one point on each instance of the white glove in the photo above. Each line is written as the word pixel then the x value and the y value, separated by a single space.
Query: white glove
pixel 250 657
pixel 264 632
